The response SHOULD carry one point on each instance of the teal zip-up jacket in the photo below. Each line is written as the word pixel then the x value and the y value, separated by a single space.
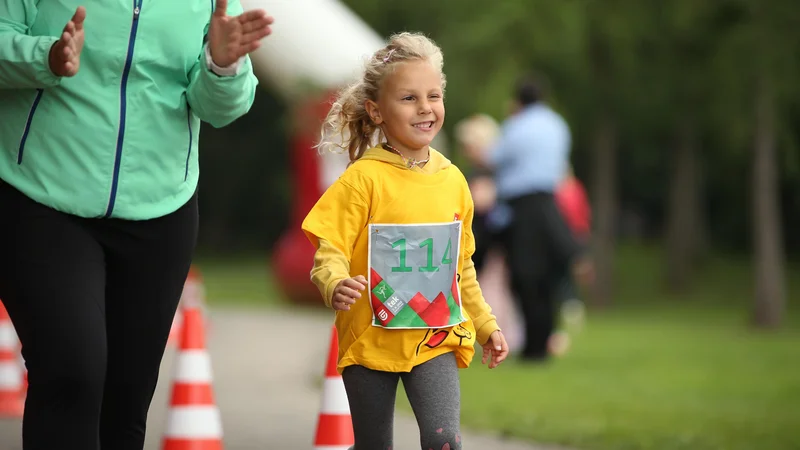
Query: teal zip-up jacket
pixel 119 139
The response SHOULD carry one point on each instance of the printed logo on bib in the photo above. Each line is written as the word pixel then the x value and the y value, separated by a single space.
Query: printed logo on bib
pixel 413 275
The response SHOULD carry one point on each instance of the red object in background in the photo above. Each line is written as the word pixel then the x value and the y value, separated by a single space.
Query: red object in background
pixel 293 255
pixel 573 203
pixel 12 372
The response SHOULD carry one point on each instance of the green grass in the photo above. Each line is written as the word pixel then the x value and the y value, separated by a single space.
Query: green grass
pixel 649 380
pixel 241 281
pixel 655 372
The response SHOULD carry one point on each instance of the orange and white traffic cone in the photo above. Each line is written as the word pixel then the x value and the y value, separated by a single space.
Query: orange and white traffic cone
pixel 335 425
pixel 193 295
pixel 175 331
pixel 12 389
pixel 24 370
pixel 194 421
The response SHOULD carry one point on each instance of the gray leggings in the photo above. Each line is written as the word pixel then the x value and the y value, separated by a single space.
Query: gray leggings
pixel 433 391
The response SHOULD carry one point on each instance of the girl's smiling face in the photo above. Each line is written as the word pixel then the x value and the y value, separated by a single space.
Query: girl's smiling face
pixel 410 106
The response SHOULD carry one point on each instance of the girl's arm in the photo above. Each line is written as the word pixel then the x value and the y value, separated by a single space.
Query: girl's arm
pixel 330 268
pixel 332 226
pixel 479 311
pixel 471 295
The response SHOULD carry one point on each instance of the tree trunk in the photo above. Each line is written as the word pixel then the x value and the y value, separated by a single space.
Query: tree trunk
pixel 685 210
pixel 702 241
pixel 770 294
pixel 605 209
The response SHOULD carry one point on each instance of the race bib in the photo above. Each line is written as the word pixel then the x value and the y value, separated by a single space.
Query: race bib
pixel 413 275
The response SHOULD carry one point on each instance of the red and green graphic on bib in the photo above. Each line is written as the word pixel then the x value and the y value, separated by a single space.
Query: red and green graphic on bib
pixel 420 312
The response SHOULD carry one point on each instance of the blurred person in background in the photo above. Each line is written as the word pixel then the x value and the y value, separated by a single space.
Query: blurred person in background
pixel 574 205
pixel 573 202
pixel 474 136
pixel 529 161
pixel 100 110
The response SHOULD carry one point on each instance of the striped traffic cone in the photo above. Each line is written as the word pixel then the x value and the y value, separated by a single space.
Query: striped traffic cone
pixel 335 425
pixel 12 389
pixel 193 295
pixel 175 331
pixel 194 421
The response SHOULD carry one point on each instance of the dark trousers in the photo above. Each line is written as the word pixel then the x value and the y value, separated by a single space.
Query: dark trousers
pixel 485 240
pixel 92 301
pixel 539 248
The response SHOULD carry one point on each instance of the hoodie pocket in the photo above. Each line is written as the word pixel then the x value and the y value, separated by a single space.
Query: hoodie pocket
pixel 31 113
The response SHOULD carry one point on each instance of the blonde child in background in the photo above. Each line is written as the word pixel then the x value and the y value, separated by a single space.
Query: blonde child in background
pixel 394 244
pixel 474 136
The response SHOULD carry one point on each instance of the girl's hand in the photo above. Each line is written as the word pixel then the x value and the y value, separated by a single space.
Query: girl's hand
pixel 347 291
pixel 495 349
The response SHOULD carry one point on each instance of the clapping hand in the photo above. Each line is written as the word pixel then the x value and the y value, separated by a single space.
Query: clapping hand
pixel 230 38
pixel 65 54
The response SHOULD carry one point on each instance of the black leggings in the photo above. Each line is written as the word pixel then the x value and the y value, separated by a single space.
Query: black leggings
pixel 92 301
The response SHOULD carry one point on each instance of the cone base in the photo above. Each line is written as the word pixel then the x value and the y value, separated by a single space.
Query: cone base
pixel 192 444
pixel 334 430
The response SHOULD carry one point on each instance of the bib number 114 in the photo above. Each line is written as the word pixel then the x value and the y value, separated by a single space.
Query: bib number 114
pixel 401 245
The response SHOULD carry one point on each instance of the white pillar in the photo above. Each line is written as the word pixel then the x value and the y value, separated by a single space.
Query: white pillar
pixel 321 43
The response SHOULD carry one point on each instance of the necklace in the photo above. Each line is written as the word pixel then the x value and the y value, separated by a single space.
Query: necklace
pixel 409 162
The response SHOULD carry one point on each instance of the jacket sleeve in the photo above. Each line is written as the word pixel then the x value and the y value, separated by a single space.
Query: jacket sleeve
pixel 219 100
pixel 471 295
pixel 24 59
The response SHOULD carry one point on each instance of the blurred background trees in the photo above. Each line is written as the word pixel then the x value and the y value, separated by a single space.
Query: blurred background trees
pixel 682 115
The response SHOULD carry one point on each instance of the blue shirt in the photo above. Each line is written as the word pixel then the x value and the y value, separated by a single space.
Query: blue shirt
pixel 532 153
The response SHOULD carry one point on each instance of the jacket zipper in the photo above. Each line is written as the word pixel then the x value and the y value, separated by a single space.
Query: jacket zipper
pixel 188 153
pixel 35 105
pixel 137 8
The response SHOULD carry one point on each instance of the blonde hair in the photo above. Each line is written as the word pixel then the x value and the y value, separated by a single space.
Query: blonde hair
pixel 479 130
pixel 348 125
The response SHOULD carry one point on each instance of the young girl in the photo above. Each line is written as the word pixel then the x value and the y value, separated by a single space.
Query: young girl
pixel 394 246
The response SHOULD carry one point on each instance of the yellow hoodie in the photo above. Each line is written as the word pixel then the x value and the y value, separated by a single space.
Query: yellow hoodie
pixel 378 194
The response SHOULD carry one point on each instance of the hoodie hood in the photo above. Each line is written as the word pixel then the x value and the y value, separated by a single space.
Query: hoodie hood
pixel 436 163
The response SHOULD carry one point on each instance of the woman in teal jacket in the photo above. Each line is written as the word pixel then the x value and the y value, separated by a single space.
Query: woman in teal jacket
pixel 99 122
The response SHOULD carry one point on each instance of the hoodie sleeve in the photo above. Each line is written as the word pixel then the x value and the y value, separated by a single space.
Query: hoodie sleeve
pixel 333 225
pixel 24 59
pixel 330 268
pixel 471 295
